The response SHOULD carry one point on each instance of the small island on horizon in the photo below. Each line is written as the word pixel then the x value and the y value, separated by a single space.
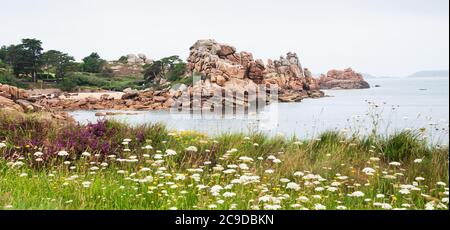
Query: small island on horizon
pixel 430 73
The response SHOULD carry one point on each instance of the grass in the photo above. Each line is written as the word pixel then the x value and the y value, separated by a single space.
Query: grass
pixel 189 170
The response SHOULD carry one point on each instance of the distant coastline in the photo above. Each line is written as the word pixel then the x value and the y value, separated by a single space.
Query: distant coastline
pixel 430 73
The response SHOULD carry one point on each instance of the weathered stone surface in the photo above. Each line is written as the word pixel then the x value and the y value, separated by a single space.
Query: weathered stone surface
pixel 131 100
pixel 343 79
pixel 219 64
pixel 8 104
pixel 12 92
pixel 16 102
pixel 133 66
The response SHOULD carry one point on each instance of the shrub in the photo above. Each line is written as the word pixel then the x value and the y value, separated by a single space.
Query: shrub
pixel 68 84
pixel 100 81
pixel 8 78
pixel 404 145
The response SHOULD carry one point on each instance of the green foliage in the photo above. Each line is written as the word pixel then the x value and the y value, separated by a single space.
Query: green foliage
pixel 2 64
pixel 123 60
pixel 93 64
pixel 3 52
pixel 57 62
pixel 25 58
pixel 68 84
pixel 28 61
pixel 8 78
pixel 177 71
pixel 30 54
pixel 171 68
pixel 100 81
pixel 404 145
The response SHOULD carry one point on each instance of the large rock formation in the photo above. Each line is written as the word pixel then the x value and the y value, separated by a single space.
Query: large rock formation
pixel 343 79
pixel 222 68
pixel 292 80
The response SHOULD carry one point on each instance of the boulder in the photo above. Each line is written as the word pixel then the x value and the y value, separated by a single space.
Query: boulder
pixel 160 99
pixel 343 79
pixel 8 104
pixel 128 96
pixel 29 107
pixel 226 50
pixel 13 92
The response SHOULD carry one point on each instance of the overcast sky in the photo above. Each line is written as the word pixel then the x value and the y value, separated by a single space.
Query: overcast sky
pixel 380 37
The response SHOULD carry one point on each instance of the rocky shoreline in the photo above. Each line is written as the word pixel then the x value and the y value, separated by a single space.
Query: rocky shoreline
pixel 220 70
pixel 17 102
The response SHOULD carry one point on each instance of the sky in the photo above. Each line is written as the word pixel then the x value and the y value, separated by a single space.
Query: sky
pixel 379 37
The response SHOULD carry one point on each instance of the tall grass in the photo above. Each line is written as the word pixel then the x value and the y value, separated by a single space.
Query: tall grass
pixel 47 185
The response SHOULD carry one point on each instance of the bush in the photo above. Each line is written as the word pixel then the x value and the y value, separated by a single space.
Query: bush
pixel 100 81
pixel 68 84
pixel 8 78
pixel 405 145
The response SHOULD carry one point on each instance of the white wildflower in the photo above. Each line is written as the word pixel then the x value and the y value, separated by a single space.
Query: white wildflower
pixel 293 186
pixel 357 194
pixel 369 171
pixel 320 207
pixel 63 153
pixel 38 154
pixel 170 152
pixel 191 149
pixel 418 161
pixel 86 184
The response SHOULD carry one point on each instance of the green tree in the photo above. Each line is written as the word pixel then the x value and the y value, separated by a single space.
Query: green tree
pixel 30 52
pixel 13 54
pixel 3 53
pixel 25 58
pixel 170 68
pixel 58 63
pixel 93 64
pixel 123 60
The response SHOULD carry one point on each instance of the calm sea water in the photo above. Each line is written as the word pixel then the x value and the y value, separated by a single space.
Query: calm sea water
pixel 401 103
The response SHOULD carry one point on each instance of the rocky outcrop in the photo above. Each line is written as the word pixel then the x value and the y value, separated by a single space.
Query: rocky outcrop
pixel 343 79
pixel 131 100
pixel 140 59
pixel 8 104
pixel 132 67
pixel 17 101
pixel 13 98
pixel 294 82
pixel 222 68
pixel 12 92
